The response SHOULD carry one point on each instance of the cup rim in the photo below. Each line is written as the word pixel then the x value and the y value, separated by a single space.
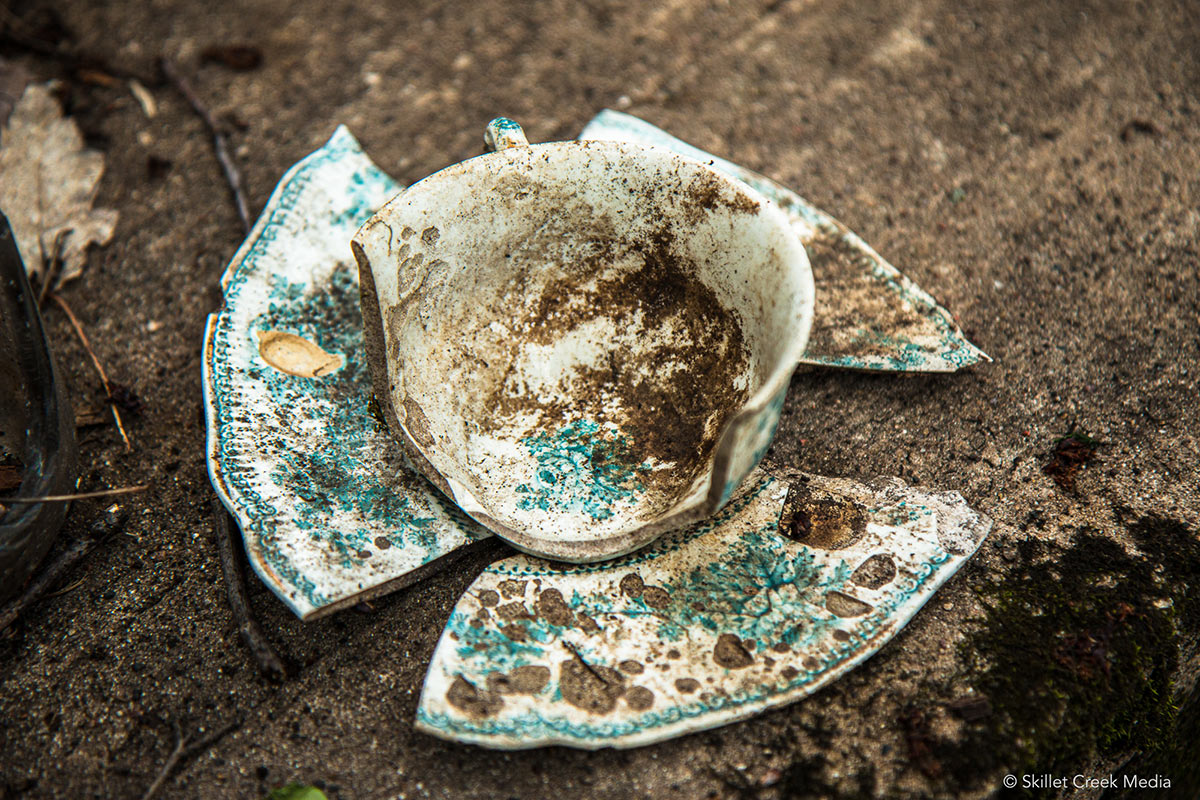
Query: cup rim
pixel 684 511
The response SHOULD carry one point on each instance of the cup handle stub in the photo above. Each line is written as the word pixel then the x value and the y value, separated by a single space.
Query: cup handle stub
pixel 502 133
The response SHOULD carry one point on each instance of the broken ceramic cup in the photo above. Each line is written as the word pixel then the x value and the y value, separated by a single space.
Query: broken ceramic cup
pixel 583 344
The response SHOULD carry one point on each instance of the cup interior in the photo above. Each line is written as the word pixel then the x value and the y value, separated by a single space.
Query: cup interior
pixel 563 331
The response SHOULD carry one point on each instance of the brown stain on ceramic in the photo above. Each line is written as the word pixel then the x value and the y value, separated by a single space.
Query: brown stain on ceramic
pixel 416 423
pixel 593 688
pixel 656 597
pixel 731 653
pixel 515 631
pixel 511 589
pixel 675 416
pixel 876 572
pixel 844 605
pixel 471 700
pixel 632 585
pixel 553 608
pixel 706 193
pixel 513 611
pixel 296 355
pixel 527 679
pixel 821 519
pixel 639 698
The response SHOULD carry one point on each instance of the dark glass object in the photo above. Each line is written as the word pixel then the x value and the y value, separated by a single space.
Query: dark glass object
pixel 37 427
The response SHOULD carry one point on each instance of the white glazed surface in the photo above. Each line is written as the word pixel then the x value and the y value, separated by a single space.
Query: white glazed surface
pixel 331 512
pixel 584 344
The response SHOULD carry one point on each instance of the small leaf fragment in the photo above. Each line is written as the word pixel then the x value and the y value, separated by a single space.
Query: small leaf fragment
pixel 48 182
pixel 296 355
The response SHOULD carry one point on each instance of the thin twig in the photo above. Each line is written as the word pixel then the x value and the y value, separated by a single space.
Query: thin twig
pixel 235 587
pixel 66 498
pixel 101 529
pixel 172 760
pixel 99 367
pixel 586 665
pixel 220 145
pixel 185 748
pixel 53 264
pixel 70 587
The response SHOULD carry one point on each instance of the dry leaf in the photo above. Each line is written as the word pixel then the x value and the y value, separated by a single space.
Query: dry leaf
pixel 48 184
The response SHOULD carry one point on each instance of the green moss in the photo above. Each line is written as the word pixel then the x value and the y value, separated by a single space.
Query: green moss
pixel 1169 542
pixel 1078 653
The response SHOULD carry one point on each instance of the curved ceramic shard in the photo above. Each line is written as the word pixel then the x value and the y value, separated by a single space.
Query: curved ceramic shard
pixel 330 510
pixel 868 316
pixel 797 581
pixel 620 325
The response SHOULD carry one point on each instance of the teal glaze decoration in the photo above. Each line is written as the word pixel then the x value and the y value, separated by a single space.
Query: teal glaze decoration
pixel 581 467
pixel 796 581
pixel 868 316
pixel 330 510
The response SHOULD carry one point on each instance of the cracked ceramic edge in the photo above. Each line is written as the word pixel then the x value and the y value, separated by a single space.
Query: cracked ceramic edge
pixel 869 316
pixel 330 511
pixel 709 625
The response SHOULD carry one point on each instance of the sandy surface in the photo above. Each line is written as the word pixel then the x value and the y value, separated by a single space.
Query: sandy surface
pixel 1035 168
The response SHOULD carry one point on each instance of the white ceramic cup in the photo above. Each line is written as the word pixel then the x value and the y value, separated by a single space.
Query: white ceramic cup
pixel 583 344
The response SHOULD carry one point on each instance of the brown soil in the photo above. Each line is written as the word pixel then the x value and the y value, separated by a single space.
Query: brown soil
pixel 1036 167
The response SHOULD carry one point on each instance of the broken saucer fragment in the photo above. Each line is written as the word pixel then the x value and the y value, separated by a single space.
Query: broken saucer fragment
pixel 868 316
pixel 330 510
pixel 48 182
pixel 793 584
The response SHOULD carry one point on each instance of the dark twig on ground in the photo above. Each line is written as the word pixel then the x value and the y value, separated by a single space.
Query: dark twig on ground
pixel 186 748
pixel 112 403
pixel 220 143
pixel 52 265
pixel 109 523
pixel 235 587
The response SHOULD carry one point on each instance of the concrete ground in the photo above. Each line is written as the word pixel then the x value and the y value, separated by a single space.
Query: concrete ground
pixel 1034 166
